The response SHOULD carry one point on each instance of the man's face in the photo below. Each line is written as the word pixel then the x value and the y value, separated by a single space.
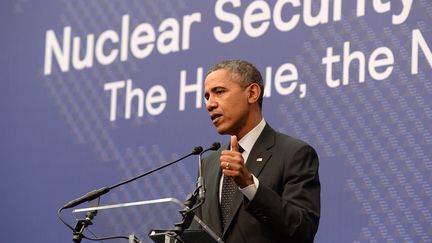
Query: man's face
pixel 227 102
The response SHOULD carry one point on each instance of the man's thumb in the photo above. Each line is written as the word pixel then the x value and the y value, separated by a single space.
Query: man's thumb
pixel 234 144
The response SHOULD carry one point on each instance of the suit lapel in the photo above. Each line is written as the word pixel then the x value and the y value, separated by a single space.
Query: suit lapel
pixel 258 157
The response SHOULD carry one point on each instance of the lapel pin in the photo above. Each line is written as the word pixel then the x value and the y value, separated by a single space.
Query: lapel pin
pixel 259 159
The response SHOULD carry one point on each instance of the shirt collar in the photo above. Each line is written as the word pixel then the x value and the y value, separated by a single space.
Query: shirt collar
pixel 248 141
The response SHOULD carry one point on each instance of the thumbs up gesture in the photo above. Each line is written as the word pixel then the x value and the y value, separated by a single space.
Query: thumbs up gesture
pixel 234 144
pixel 233 165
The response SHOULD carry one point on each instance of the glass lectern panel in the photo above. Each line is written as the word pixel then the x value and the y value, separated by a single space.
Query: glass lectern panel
pixel 133 218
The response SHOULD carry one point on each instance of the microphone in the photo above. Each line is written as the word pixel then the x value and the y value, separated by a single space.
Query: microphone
pixel 99 192
pixel 87 197
pixel 196 198
pixel 200 181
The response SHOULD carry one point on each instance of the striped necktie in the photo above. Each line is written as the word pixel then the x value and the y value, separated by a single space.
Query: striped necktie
pixel 229 188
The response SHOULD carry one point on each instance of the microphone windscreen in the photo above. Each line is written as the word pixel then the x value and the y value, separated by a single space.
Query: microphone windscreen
pixel 197 150
pixel 215 146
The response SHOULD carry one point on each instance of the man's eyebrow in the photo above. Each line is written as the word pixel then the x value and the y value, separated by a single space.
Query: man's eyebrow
pixel 217 87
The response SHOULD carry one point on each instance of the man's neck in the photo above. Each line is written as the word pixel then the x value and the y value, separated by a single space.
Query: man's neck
pixel 254 121
pixel 249 138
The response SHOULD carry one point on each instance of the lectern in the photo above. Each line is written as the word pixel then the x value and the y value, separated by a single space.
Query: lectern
pixel 135 234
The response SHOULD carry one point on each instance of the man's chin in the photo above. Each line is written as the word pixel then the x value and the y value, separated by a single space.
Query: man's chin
pixel 225 131
pixel 221 130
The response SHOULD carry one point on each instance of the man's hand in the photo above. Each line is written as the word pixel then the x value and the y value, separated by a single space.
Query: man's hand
pixel 232 165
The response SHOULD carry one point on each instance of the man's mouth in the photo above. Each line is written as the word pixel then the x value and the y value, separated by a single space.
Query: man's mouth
pixel 215 118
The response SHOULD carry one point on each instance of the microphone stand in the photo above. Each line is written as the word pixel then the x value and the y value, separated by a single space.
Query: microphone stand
pixel 195 200
pixel 81 225
pixel 200 182
pixel 188 215
pixel 84 223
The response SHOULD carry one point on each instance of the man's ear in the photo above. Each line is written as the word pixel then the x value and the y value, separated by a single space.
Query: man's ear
pixel 254 92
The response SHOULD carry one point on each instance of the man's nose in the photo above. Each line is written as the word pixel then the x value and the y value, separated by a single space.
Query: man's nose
pixel 211 104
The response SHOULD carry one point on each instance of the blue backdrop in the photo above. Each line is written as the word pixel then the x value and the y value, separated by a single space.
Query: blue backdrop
pixel 95 92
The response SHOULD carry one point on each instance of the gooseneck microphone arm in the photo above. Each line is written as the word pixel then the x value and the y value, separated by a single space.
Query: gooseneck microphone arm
pixel 200 181
pixel 99 192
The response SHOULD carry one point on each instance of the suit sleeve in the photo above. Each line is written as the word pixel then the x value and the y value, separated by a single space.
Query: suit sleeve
pixel 292 207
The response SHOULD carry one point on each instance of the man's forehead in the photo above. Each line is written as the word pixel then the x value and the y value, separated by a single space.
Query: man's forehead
pixel 221 77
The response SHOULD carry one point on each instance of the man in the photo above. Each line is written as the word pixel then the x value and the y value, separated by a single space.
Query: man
pixel 273 178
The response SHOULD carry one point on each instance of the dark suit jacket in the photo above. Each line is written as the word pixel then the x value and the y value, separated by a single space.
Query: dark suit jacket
pixel 286 206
